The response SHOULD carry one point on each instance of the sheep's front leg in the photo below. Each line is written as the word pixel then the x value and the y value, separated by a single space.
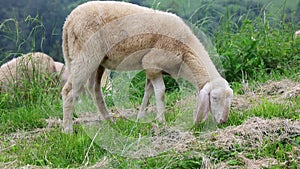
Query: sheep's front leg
pixel 98 95
pixel 159 90
pixel 147 95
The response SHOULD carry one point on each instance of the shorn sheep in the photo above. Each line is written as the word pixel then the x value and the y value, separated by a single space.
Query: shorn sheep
pixel 122 36
pixel 25 68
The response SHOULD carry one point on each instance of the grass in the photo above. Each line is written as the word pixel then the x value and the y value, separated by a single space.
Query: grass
pixel 53 148
pixel 267 110
pixel 26 139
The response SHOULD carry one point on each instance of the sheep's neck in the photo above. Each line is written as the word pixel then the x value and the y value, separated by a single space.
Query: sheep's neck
pixel 201 68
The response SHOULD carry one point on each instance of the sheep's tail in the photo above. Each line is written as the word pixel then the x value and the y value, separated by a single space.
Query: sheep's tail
pixel 65 47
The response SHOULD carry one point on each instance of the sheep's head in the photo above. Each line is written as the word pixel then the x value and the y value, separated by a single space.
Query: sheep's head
pixel 215 97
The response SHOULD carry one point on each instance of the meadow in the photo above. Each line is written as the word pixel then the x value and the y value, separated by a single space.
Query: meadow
pixel 259 56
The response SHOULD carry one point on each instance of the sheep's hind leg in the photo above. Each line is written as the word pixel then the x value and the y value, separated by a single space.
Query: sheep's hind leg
pixel 147 95
pixel 68 107
pixel 98 95
pixel 76 81
pixel 159 91
pixel 91 83
pixel 70 94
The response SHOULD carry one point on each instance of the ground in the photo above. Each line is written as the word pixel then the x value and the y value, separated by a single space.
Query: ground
pixel 250 134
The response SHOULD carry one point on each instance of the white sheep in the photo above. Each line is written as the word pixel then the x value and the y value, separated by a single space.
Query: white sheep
pixel 296 34
pixel 25 68
pixel 122 36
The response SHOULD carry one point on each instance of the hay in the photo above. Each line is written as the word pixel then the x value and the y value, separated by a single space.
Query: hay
pixel 252 135
pixel 254 132
pixel 278 92
pixel 169 138
pixel 284 88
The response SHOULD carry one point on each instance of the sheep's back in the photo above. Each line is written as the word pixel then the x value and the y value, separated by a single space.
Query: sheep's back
pixel 25 68
pixel 89 17
pixel 119 30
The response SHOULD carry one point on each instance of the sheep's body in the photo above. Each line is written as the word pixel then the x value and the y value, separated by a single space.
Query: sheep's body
pixel 123 36
pixel 26 68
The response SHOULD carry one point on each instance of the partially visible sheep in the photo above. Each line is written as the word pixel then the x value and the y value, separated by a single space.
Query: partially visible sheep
pixel 297 33
pixel 122 36
pixel 25 68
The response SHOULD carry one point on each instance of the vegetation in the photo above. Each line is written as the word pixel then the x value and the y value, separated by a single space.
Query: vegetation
pixel 254 41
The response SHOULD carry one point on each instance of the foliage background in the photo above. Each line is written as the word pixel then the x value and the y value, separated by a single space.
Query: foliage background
pixel 252 37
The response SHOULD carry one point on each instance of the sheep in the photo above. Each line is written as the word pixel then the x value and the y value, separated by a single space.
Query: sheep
pixel 296 34
pixel 123 37
pixel 25 68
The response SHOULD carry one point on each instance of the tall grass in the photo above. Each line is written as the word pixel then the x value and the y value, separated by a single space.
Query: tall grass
pixel 24 41
pixel 256 47
pixel 30 96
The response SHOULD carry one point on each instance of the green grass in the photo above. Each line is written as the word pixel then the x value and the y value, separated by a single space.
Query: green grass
pixel 53 148
pixel 267 110
pixel 27 118
pixel 279 150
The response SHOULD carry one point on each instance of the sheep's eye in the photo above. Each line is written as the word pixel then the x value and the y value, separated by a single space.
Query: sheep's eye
pixel 214 98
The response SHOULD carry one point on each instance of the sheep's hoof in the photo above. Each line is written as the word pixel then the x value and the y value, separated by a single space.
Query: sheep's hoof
pixel 107 117
pixel 68 130
pixel 110 119
pixel 161 119
pixel 141 115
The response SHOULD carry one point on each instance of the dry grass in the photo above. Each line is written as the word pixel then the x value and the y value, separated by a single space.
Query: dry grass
pixel 278 92
pixel 252 135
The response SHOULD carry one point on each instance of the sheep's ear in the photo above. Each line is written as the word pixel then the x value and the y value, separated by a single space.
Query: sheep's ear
pixel 203 106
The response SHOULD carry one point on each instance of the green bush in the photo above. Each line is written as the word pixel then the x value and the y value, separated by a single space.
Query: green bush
pixel 259 46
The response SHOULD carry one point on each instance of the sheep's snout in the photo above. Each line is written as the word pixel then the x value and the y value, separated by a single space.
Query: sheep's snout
pixel 218 117
pixel 220 101
pixel 222 120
